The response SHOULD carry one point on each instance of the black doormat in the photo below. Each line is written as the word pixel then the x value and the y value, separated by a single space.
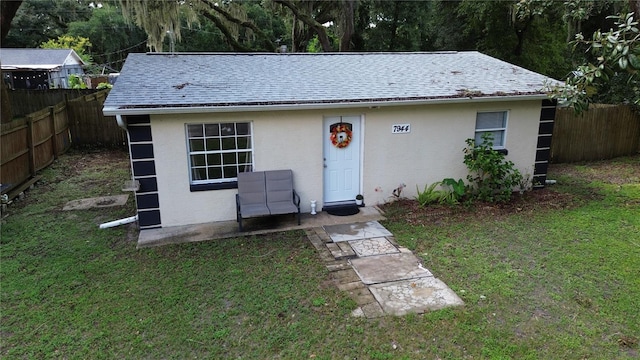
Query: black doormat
pixel 344 210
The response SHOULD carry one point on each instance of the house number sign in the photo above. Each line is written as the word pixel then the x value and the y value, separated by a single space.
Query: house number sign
pixel 400 128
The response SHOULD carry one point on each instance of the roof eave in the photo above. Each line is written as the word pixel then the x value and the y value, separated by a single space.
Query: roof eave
pixel 111 111
pixel 31 68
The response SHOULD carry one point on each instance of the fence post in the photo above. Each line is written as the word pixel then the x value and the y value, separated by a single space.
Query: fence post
pixel 54 142
pixel 31 145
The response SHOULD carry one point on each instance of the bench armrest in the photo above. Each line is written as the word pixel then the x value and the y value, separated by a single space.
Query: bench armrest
pixel 296 199
pixel 238 207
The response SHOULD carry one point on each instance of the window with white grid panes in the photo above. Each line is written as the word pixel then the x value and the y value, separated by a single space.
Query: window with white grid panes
pixel 218 152
pixel 494 123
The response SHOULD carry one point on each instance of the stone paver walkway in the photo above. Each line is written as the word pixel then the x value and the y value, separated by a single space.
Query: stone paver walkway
pixel 377 273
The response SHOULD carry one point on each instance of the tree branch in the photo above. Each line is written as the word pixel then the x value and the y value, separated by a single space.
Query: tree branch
pixel 247 24
pixel 311 22
pixel 232 41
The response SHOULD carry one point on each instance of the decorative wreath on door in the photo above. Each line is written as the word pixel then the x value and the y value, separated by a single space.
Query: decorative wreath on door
pixel 341 136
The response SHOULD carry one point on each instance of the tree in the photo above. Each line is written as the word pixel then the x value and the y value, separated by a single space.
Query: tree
pixel 38 21
pixel 299 14
pixel 231 20
pixel 79 44
pixel 110 36
pixel 238 21
pixel 158 18
pixel 399 26
pixel 529 33
pixel 616 56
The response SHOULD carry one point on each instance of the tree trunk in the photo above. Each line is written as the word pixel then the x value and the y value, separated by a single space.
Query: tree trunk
pixel 634 5
pixel 394 28
pixel 362 21
pixel 520 34
pixel 8 10
pixel 348 12
pixel 518 50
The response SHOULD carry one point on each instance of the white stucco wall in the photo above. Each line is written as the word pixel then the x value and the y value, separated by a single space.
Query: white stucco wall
pixel 432 150
pixel 293 140
pixel 281 140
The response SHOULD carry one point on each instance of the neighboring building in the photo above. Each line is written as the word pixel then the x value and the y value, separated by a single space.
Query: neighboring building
pixel 345 123
pixel 39 68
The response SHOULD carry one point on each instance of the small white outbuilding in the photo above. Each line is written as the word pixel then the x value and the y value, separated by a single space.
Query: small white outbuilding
pixel 345 123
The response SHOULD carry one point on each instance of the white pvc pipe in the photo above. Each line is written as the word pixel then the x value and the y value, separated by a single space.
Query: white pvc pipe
pixel 119 222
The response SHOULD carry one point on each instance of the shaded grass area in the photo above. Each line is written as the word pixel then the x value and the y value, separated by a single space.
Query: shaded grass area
pixel 538 283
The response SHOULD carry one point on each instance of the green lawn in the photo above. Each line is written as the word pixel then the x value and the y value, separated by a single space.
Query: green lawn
pixel 542 283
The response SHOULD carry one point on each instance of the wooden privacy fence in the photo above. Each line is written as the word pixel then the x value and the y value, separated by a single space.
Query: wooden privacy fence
pixel 24 101
pixel 602 132
pixel 89 127
pixel 31 143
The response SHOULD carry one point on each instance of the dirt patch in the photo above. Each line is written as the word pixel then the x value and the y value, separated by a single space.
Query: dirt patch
pixel 77 170
pixel 624 170
pixel 75 162
pixel 410 211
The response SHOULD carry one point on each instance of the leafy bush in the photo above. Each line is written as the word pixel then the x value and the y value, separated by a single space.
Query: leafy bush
pixel 430 195
pixel 104 85
pixel 491 177
pixel 456 190
pixel 76 82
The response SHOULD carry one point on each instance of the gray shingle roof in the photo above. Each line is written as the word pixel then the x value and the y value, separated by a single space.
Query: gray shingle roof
pixel 153 81
pixel 36 58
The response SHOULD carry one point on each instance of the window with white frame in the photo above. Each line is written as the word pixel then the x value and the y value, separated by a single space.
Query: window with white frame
pixel 493 123
pixel 218 152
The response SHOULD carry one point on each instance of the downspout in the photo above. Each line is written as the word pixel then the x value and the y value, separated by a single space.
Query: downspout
pixel 130 219
pixel 122 124
pixel 119 222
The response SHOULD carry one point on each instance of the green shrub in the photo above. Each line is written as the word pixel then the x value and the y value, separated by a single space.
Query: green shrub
pixel 456 190
pixel 491 177
pixel 430 195
pixel 76 82
pixel 104 85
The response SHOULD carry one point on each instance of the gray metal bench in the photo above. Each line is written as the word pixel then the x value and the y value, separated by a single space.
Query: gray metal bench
pixel 263 193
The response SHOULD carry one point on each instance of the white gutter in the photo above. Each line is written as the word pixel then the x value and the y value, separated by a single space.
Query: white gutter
pixel 111 110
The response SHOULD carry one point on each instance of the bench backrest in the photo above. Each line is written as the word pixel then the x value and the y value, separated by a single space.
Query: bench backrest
pixel 279 186
pixel 251 188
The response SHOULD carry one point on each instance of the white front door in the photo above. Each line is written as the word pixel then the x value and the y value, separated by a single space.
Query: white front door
pixel 342 138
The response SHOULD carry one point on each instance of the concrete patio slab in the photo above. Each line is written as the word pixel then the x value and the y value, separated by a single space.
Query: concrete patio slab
pixel 414 296
pixel 253 226
pixel 372 247
pixel 356 231
pixel 97 202
pixel 390 267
